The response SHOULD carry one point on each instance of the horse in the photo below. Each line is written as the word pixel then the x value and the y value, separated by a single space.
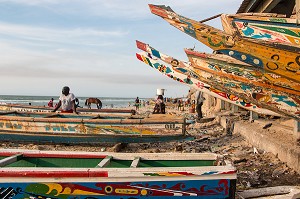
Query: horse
pixel 91 100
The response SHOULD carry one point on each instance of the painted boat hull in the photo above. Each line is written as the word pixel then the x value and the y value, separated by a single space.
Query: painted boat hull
pixel 185 74
pixel 40 174
pixel 246 73
pixel 276 58
pixel 76 129
pixel 278 101
pixel 263 26
pixel 31 108
pixel 212 74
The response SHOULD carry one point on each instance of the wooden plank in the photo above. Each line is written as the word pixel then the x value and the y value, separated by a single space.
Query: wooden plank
pixel 52 115
pixel 135 162
pixel 9 160
pixel 267 5
pixel 105 162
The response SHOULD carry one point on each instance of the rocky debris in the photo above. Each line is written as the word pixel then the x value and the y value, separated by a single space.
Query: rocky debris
pixel 267 126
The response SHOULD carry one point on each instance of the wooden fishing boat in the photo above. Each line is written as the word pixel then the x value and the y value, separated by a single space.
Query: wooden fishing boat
pixel 270 27
pixel 32 108
pixel 89 129
pixel 276 58
pixel 95 175
pixel 184 73
pixel 248 73
pixel 267 96
pixel 213 74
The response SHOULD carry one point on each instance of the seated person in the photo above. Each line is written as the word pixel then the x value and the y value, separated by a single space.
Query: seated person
pixel 159 105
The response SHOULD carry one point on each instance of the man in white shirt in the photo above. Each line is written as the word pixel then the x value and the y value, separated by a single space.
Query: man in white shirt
pixel 66 101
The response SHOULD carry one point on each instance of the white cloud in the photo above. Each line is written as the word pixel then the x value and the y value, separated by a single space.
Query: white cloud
pixel 90 44
pixel 59 35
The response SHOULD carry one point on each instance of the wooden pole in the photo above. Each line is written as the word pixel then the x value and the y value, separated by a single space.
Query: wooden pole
pixel 298 11
pixel 210 18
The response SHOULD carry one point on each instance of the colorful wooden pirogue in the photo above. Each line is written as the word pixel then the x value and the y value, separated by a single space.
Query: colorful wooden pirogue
pixel 89 129
pixel 184 73
pixel 271 27
pixel 247 73
pixel 95 175
pixel 277 58
pixel 266 95
pixel 215 74
pixel 32 108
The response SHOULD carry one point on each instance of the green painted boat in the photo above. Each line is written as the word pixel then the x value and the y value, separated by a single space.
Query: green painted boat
pixel 94 175
pixel 72 128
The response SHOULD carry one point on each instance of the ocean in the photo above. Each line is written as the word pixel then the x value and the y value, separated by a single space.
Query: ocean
pixel 107 102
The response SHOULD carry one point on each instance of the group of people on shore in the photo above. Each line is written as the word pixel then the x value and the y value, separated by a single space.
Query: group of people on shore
pixel 138 103
pixel 68 102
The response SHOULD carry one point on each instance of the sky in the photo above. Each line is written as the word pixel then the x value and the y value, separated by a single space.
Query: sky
pixel 89 45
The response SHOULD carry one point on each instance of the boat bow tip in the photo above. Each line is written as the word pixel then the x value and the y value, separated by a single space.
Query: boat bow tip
pixel 140 45
pixel 160 10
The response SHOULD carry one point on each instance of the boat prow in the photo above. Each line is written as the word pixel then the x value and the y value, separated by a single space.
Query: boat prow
pixel 277 58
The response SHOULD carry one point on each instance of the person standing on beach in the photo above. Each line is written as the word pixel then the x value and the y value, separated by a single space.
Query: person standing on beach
pixel 50 103
pixel 199 102
pixel 137 103
pixel 66 101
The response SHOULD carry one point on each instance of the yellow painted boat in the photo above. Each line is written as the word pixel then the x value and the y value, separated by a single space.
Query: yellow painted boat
pixel 276 58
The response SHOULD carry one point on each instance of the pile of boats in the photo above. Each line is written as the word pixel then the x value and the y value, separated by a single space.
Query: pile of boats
pixel 255 63
pixel 38 125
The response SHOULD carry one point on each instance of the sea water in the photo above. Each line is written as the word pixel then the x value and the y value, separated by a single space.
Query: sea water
pixel 107 102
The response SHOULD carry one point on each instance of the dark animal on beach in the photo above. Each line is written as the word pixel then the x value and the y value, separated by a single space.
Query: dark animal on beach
pixel 91 100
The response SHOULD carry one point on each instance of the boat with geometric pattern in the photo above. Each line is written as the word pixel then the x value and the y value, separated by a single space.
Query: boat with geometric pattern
pixel 100 175
pixel 278 58
pixel 184 73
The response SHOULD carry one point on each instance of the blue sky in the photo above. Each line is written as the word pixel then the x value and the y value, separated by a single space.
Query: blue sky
pixel 89 45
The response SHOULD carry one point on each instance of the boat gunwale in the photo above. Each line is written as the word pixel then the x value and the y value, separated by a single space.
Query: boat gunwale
pixel 118 156
pixel 98 121
pixel 11 105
